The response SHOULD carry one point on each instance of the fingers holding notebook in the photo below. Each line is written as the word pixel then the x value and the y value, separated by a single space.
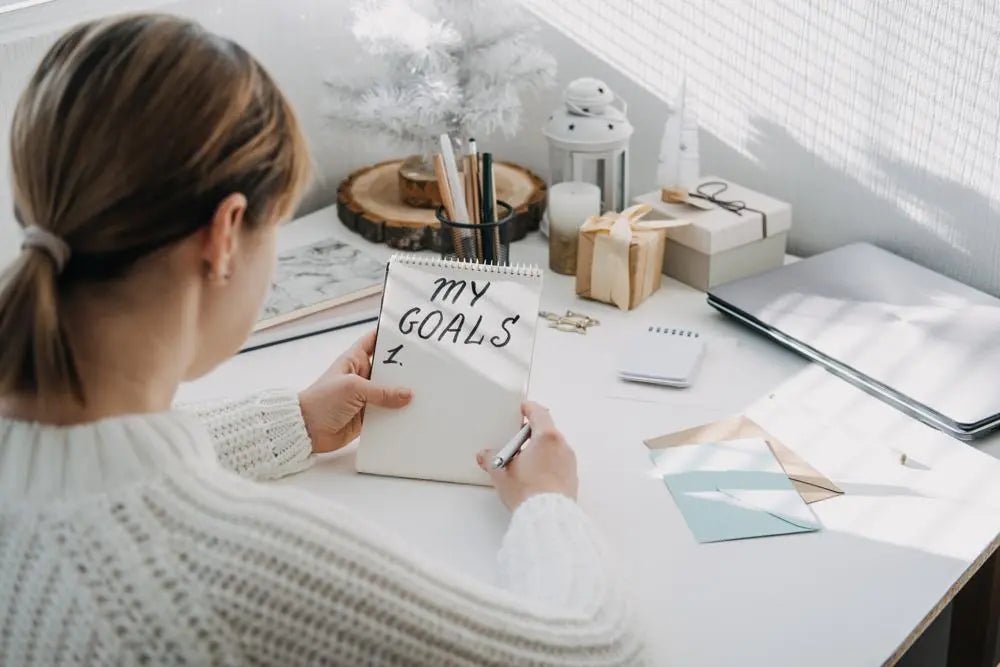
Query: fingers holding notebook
pixel 333 406
pixel 357 360
pixel 380 395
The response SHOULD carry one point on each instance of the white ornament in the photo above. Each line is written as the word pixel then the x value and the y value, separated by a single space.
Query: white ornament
pixel 679 163
pixel 455 66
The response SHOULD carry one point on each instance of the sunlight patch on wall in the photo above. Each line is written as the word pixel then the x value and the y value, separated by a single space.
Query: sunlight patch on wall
pixel 859 85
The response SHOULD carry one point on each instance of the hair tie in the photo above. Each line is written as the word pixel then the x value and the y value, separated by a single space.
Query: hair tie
pixel 52 245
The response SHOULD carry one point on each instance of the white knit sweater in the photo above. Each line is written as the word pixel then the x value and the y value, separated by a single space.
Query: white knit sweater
pixel 131 541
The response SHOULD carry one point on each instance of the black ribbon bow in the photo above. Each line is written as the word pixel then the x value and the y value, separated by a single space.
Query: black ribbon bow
pixel 710 191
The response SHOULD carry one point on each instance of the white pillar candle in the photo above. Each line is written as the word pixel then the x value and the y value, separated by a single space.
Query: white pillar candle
pixel 570 204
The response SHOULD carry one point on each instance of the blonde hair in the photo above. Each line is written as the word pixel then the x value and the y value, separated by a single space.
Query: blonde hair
pixel 128 136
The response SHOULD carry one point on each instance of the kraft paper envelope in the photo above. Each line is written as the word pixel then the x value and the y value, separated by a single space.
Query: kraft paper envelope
pixel 809 482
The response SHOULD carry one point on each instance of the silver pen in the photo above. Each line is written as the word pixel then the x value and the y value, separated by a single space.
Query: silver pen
pixel 513 446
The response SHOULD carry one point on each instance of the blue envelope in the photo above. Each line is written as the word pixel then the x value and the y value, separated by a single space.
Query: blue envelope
pixel 733 490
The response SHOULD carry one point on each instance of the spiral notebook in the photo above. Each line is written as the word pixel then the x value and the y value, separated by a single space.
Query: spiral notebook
pixel 461 336
pixel 663 355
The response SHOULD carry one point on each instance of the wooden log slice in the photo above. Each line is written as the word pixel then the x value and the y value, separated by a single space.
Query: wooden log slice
pixel 369 203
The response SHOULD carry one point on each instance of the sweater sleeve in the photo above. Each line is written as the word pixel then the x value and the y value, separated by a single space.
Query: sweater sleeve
pixel 261 436
pixel 328 589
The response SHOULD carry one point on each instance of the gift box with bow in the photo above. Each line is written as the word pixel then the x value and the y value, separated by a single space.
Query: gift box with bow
pixel 735 232
pixel 619 257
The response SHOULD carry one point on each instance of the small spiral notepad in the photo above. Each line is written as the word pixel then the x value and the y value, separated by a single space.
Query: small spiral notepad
pixel 461 336
pixel 663 355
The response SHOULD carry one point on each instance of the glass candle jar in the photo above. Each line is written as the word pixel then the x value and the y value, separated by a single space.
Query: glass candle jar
pixel 570 204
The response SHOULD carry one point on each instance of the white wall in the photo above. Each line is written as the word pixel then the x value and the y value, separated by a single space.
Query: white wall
pixel 877 119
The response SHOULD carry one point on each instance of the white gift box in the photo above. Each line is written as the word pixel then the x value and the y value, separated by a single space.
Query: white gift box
pixel 721 245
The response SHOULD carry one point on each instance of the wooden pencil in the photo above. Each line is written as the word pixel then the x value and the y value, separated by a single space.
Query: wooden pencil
pixel 458 197
pixel 448 201
pixel 472 197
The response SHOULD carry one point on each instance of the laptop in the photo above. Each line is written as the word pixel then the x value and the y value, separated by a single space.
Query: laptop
pixel 922 342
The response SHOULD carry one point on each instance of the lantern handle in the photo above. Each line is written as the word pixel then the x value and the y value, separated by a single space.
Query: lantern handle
pixel 580 111
pixel 624 103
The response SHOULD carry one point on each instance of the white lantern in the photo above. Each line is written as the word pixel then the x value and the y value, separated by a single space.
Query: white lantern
pixel 588 141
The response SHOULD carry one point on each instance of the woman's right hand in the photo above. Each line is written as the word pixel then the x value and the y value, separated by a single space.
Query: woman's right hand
pixel 546 463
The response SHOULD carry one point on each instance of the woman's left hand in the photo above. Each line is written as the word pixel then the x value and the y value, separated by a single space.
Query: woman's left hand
pixel 334 406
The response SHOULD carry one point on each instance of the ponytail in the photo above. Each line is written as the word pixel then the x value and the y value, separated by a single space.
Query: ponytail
pixel 34 352
pixel 90 162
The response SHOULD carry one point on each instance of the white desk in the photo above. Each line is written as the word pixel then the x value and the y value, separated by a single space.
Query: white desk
pixel 895 548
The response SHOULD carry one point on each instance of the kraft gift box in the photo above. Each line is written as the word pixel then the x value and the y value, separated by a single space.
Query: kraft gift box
pixel 719 245
pixel 619 257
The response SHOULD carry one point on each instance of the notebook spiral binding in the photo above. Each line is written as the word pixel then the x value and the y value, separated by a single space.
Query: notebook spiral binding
pixel 528 270
pixel 684 333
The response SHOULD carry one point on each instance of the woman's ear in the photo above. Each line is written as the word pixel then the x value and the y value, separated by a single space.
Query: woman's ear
pixel 221 238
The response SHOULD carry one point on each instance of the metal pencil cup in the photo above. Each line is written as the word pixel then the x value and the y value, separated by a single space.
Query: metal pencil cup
pixel 485 243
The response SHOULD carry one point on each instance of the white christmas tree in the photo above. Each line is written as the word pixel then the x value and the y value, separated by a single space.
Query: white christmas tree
pixel 456 66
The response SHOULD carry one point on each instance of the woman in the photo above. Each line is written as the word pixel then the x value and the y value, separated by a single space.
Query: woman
pixel 152 161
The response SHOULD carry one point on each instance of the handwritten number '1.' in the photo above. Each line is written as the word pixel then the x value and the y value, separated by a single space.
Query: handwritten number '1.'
pixel 391 359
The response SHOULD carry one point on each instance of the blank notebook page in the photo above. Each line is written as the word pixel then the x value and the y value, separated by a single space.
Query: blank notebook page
pixel 461 337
